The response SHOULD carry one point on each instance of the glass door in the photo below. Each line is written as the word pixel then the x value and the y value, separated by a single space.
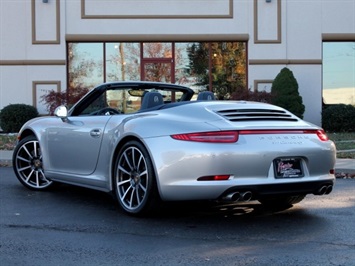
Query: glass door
pixel 157 62
pixel 157 71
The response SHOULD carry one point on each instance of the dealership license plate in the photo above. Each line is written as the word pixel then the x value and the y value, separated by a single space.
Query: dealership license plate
pixel 288 168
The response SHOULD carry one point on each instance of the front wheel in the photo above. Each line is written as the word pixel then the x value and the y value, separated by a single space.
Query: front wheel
pixel 28 166
pixel 134 179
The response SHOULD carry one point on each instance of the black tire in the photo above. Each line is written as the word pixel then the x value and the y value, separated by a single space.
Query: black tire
pixel 134 180
pixel 28 166
pixel 282 201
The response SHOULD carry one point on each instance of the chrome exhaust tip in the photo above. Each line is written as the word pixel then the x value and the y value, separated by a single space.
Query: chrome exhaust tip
pixel 234 196
pixel 322 190
pixel 246 196
pixel 329 189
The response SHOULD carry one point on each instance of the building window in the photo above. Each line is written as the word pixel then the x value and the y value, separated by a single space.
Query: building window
pixel 122 61
pixel 85 65
pixel 216 66
pixel 338 72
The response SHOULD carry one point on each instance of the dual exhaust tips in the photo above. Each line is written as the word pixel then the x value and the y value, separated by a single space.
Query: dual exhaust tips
pixel 324 190
pixel 247 195
pixel 239 196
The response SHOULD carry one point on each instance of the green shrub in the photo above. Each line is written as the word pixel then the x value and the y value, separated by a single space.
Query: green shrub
pixel 339 118
pixel 285 93
pixel 13 116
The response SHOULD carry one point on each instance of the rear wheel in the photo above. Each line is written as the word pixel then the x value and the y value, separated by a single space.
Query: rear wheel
pixel 281 201
pixel 28 165
pixel 134 179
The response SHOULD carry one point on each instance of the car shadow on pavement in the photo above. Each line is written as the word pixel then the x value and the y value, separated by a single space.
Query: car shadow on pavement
pixel 87 198
pixel 218 209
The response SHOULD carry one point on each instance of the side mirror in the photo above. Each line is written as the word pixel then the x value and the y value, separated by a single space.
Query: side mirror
pixel 61 112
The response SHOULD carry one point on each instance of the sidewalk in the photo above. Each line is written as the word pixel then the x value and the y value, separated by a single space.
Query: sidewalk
pixel 343 167
pixel 5 158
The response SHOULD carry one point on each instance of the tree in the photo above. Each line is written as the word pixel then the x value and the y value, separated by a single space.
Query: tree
pixel 79 68
pixel 54 98
pixel 198 62
pixel 227 70
pixel 284 91
pixel 125 63
pixel 242 94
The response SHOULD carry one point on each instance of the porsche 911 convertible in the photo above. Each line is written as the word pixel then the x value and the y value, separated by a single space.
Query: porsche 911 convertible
pixel 150 142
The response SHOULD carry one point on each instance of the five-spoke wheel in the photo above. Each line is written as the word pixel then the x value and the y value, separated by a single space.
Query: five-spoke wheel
pixel 28 165
pixel 134 179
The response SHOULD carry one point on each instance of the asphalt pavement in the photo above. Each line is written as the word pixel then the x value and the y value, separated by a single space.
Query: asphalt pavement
pixel 74 226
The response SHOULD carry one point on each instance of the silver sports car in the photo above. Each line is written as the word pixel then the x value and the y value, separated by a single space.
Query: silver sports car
pixel 150 142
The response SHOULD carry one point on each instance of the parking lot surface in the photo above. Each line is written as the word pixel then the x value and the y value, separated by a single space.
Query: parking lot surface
pixel 76 226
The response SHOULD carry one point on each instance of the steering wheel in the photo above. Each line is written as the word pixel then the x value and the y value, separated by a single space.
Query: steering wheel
pixel 108 111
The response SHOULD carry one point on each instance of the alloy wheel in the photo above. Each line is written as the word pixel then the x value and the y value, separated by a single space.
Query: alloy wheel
pixel 132 179
pixel 28 164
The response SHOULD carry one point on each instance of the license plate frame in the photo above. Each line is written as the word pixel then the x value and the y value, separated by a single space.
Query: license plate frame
pixel 289 167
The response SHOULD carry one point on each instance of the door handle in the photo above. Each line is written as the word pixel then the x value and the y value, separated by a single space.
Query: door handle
pixel 95 133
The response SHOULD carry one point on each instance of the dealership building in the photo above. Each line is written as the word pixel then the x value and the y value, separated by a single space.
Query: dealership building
pixel 56 44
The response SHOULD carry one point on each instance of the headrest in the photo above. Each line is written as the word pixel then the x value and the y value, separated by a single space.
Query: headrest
pixel 206 96
pixel 151 99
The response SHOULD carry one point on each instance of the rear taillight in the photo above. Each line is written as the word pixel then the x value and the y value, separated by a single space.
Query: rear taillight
pixel 233 136
pixel 212 137
pixel 322 136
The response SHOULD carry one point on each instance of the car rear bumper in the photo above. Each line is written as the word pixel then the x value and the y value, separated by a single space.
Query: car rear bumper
pixel 215 190
pixel 289 189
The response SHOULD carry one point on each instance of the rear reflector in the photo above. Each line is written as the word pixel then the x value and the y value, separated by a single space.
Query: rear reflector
pixel 213 178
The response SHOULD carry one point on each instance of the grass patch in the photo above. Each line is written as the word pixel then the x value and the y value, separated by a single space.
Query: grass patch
pixel 7 141
pixel 342 136
pixel 344 141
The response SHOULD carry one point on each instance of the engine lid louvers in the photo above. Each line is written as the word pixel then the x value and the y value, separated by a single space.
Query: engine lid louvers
pixel 235 115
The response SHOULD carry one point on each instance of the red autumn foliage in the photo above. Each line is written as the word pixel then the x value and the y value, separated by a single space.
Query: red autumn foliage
pixel 54 98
